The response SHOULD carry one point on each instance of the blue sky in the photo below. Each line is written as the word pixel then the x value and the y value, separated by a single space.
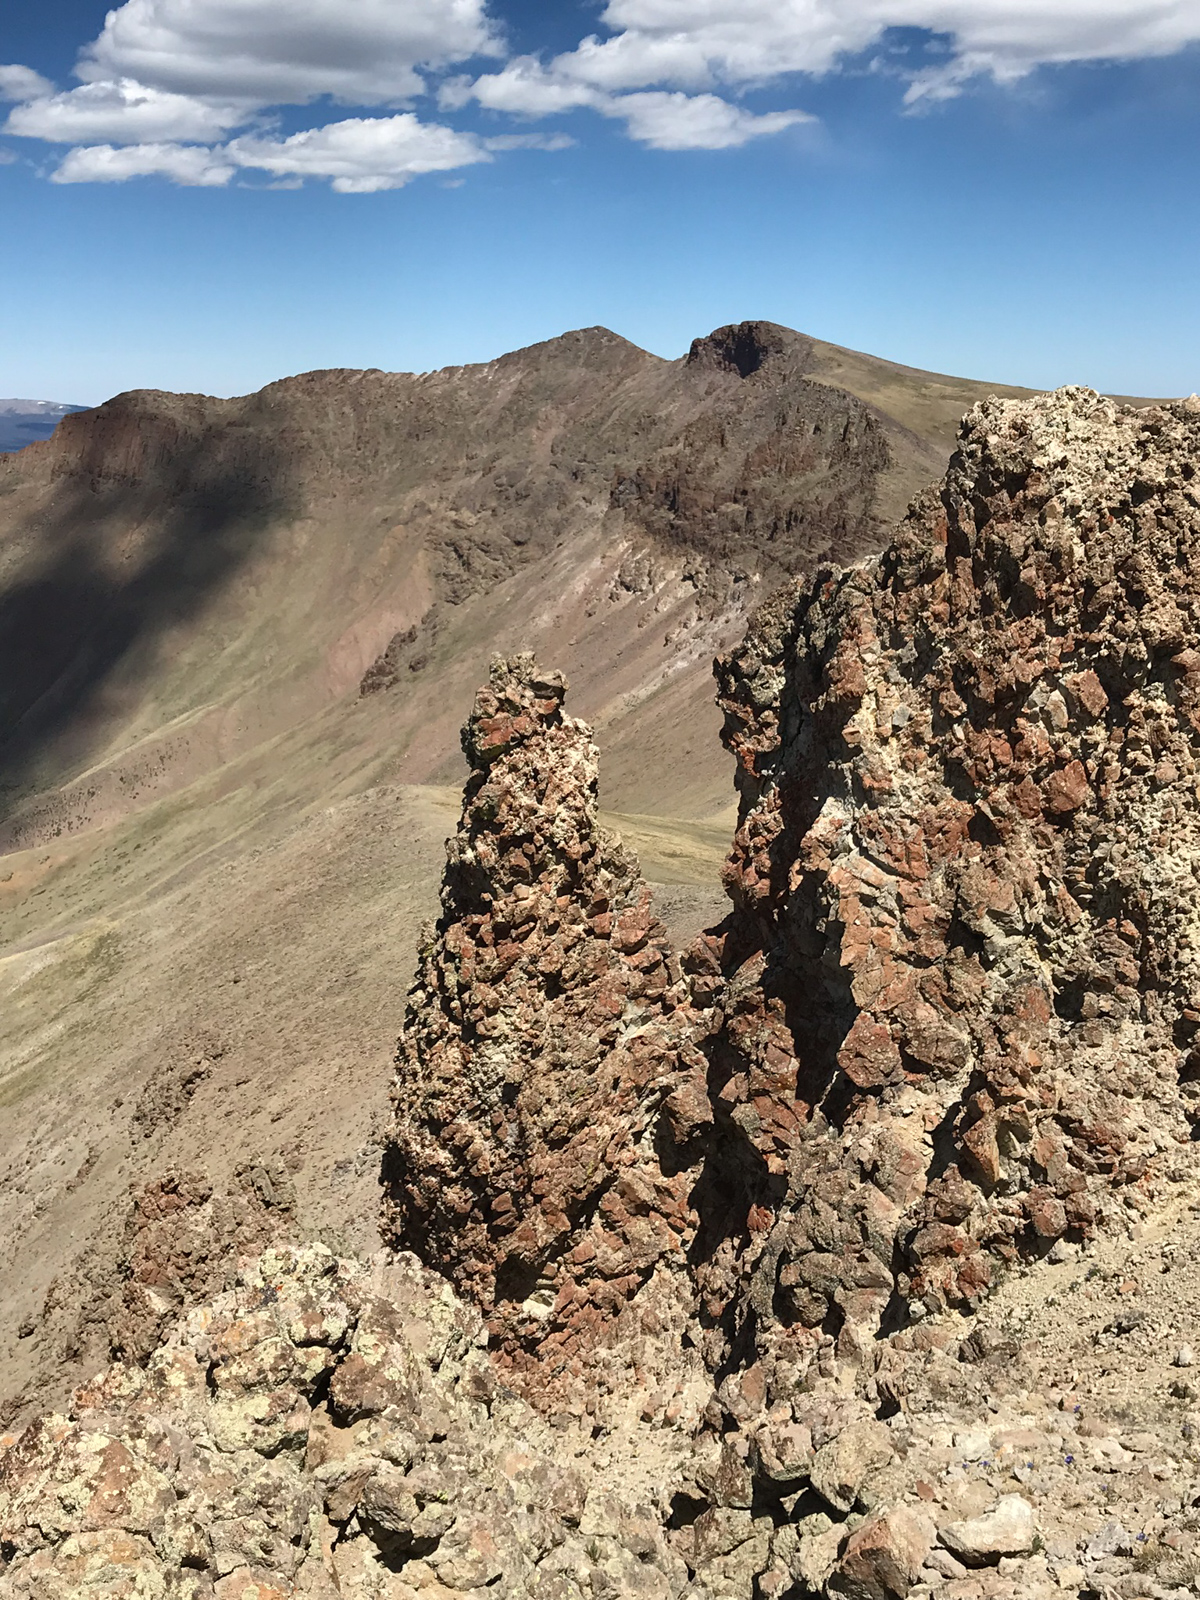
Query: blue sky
pixel 210 194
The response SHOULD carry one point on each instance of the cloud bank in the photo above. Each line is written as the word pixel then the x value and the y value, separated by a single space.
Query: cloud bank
pixel 190 90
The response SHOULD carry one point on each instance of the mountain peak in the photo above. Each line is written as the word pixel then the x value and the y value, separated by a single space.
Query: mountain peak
pixel 746 347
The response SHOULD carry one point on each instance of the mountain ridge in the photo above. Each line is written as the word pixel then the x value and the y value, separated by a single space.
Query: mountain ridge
pixel 482 470
pixel 216 849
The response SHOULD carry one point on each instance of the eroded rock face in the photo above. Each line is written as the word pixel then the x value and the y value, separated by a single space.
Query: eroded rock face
pixel 547 1087
pixel 961 980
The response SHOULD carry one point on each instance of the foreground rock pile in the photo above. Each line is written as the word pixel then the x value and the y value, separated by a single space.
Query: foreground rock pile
pixel 848 1253
pixel 326 1428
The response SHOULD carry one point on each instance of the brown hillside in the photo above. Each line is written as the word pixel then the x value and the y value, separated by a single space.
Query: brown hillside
pixel 185 577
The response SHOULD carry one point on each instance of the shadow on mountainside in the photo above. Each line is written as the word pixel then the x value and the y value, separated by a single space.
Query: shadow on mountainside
pixel 114 563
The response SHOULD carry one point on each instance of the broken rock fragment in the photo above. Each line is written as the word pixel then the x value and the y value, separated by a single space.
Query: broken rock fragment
pixel 1006 1530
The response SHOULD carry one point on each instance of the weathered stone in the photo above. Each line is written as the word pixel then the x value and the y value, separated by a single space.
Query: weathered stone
pixel 954 863
pixel 543 1074
pixel 883 1559
pixel 842 1467
pixel 1007 1530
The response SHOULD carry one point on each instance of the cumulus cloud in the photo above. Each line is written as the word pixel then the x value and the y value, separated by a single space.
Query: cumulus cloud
pixel 366 53
pixel 665 58
pixel 125 112
pixel 190 165
pixel 662 119
pixel 22 83
pixel 696 44
pixel 675 121
pixel 362 154
pixel 524 86
pixel 172 80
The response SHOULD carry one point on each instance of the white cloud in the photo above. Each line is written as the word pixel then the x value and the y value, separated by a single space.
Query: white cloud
pixel 693 44
pixel 523 86
pixel 190 165
pixel 360 52
pixel 662 119
pixel 172 79
pixel 167 77
pixel 122 113
pixel 665 57
pixel 362 154
pixel 666 121
pixel 22 83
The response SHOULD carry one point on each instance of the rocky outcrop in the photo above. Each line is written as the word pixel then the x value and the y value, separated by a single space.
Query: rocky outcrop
pixel 725 486
pixel 947 1027
pixel 945 1024
pixel 323 1429
pixel 548 1093
pixel 961 982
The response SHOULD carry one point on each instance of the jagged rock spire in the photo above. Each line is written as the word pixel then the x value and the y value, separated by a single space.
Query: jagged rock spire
pixel 539 1051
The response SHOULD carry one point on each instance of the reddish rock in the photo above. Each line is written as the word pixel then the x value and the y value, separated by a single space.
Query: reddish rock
pixel 547 1089
pixel 943 948
pixel 1066 790
pixel 884 1557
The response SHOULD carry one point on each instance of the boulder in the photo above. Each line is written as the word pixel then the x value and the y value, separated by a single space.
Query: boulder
pixel 1006 1530
pixel 883 1559
pixel 841 1468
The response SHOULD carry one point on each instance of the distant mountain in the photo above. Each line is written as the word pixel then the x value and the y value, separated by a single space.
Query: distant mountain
pixel 24 421
pixel 291 542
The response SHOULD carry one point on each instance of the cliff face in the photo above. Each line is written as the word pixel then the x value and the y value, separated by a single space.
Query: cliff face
pixel 761 1238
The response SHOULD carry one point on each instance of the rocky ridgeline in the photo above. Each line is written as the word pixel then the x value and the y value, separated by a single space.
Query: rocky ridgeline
pixel 756 1272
